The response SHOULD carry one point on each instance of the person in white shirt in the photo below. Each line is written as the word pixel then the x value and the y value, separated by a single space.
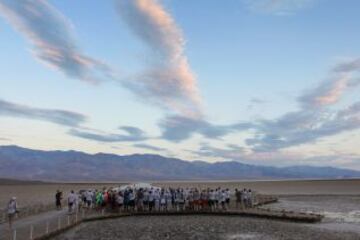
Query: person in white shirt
pixel 162 200
pixel 223 199
pixel 244 197
pixel 72 201
pixel 212 199
pixel 12 209
pixel 168 200
pixel 227 200
pixel 88 198
pixel 132 200
pixel 120 200
pixel 157 200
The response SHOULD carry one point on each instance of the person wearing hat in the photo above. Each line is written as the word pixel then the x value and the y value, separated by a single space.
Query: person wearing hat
pixel 12 210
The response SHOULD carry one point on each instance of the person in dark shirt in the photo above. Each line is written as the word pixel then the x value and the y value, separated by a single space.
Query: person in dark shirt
pixel 58 198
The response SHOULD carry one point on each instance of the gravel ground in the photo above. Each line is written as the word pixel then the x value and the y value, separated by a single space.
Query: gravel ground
pixel 199 227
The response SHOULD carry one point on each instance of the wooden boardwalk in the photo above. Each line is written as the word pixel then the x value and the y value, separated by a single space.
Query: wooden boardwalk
pixel 52 227
pixel 259 213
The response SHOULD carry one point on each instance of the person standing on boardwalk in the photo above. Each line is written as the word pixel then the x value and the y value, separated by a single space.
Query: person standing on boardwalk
pixel 12 209
pixel 238 198
pixel 72 201
pixel 58 198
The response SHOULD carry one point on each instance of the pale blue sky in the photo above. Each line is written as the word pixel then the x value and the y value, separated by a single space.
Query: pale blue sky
pixel 252 61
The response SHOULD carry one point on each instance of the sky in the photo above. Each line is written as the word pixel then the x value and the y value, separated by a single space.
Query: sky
pixel 264 82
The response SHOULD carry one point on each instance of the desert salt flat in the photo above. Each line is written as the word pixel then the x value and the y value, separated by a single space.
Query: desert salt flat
pixel 32 194
pixel 341 212
pixel 338 200
pixel 201 228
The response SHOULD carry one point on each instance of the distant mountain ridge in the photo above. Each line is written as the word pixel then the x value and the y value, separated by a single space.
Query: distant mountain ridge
pixel 29 164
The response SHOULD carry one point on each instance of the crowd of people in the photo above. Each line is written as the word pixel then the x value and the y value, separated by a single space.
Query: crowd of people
pixel 148 199
pixel 157 199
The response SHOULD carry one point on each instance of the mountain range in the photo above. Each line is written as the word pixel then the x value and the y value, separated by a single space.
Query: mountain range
pixel 28 164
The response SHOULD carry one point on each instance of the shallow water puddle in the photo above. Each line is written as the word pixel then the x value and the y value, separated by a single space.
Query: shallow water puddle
pixel 243 236
pixel 344 217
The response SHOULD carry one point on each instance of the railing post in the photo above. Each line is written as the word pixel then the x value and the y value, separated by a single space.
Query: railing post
pixel 47 227
pixel 76 217
pixel 68 220
pixel 31 231
pixel 83 214
pixel 59 223
pixel 14 234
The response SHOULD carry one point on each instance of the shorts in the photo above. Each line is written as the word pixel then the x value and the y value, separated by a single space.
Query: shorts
pixel 11 215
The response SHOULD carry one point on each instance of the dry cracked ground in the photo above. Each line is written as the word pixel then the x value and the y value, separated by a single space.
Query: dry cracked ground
pixel 200 228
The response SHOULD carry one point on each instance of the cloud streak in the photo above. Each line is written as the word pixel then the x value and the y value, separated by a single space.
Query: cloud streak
pixel 131 134
pixel 168 81
pixel 331 90
pixel 277 157
pixel 5 139
pixel 348 66
pixel 232 151
pixel 302 127
pixel 315 119
pixel 277 7
pixel 60 117
pixel 177 128
pixel 327 93
pixel 149 147
pixel 50 34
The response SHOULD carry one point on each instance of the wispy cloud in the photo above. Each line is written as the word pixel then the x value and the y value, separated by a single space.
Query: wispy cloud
pixel 5 139
pixel 302 127
pixel 50 33
pixel 232 152
pixel 331 90
pixel 177 128
pixel 61 117
pixel 131 134
pixel 255 102
pixel 348 66
pixel 148 147
pixel 327 93
pixel 315 119
pixel 168 81
pixel 278 158
pixel 277 7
